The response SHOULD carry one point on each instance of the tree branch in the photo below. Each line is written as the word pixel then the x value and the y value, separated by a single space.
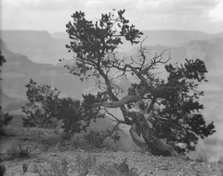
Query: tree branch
pixel 125 100
pixel 111 95
pixel 151 105
pixel 116 119
pixel 110 133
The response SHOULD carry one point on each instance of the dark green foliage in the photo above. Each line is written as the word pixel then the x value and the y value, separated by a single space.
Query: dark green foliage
pixel 76 115
pixel 180 108
pixel 18 151
pixel 2 59
pixel 92 42
pixel 71 115
pixel 176 108
pixel 92 112
pixel 5 119
pixel 95 138
pixel 42 106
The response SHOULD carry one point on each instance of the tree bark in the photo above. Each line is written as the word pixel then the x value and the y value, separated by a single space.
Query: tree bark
pixel 140 127
pixel 136 138
pixel 154 144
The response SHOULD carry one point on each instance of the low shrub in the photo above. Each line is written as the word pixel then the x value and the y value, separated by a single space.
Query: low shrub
pixel 18 152
pixel 45 105
pixel 42 105
pixel 49 142
pixel 56 168
pixel 95 138
pixel 5 119
pixel 116 169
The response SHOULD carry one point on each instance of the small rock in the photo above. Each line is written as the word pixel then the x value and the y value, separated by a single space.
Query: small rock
pixel 123 167
pixel 2 170
pixel 25 167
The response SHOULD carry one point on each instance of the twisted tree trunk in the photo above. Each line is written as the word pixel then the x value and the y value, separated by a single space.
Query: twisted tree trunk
pixel 140 127
pixel 154 144
pixel 136 138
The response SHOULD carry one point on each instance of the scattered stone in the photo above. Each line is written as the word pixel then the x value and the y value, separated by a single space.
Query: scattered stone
pixel 2 170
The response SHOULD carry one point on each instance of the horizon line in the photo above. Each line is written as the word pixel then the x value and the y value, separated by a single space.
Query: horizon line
pixel 152 30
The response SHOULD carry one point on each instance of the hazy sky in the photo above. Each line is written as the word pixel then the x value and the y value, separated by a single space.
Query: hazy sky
pixel 52 15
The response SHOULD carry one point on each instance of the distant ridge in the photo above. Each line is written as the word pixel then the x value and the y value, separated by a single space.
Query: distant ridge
pixel 44 47
pixel 19 69
pixel 29 47
pixel 170 38
pixel 38 46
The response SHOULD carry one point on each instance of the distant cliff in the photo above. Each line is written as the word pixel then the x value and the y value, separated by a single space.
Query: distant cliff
pixel 43 47
pixel 18 70
pixel 27 53
pixel 38 46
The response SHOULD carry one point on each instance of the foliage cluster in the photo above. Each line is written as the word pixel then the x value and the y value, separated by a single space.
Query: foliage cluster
pixel 179 118
pixel 42 105
pixel 2 59
pixel 95 138
pixel 93 41
pixel 18 151
pixel 45 105
pixel 5 118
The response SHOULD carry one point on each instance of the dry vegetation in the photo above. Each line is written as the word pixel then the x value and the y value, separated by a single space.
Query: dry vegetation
pixel 41 152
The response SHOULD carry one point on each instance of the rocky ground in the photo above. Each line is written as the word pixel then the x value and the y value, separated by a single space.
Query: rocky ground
pixel 145 164
pixel 45 154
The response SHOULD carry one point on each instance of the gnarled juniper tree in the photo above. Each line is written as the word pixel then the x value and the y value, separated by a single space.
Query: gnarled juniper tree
pixel 169 108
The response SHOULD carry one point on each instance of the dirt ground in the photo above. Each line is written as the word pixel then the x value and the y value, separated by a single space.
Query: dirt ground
pixel 45 147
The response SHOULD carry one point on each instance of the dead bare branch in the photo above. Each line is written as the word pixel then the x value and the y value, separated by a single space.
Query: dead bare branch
pixel 113 116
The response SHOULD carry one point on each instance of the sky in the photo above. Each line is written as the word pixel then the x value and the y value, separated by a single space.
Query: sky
pixel 53 15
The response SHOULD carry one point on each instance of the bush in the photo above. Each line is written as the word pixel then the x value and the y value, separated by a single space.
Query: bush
pixel 18 151
pixel 5 119
pixel 95 138
pixel 58 168
pixel 44 106
pixel 70 112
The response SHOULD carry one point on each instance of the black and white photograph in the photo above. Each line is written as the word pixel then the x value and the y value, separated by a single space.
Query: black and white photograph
pixel 111 88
